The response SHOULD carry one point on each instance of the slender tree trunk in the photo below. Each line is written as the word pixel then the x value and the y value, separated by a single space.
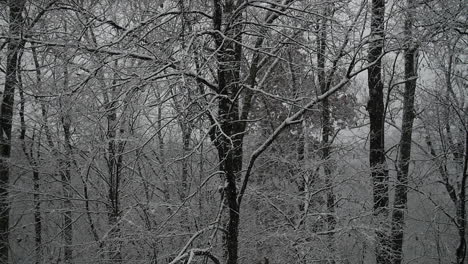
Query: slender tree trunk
pixel 186 129
pixel 327 129
pixel 186 136
pixel 114 161
pixel 184 122
pixel 460 158
pixel 37 203
pixel 88 214
pixel 65 174
pixel 301 185
pixel 401 189
pixel 375 107
pixel 298 170
pixel 67 193
pixel 37 216
pixel 114 164
pixel 460 218
pixel 6 117
pixel 456 192
pixel 461 205
pixel 33 162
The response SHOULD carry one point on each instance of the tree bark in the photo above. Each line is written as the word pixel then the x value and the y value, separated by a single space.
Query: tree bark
pixel 65 174
pixel 375 107
pixel 298 171
pixel 461 205
pixel 37 203
pixel 231 132
pixel 228 132
pixel 6 117
pixel 401 189
pixel 67 193
pixel 186 136
pixel 114 165
pixel 327 129
pixel 34 163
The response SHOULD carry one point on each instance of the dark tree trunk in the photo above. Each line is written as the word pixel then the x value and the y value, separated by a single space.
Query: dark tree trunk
pixel 298 171
pixel 230 136
pixel 6 117
pixel 401 189
pixel 114 165
pixel 67 193
pixel 65 173
pixel 461 219
pixel 460 157
pixel 35 165
pixel 186 136
pixel 37 217
pixel 228 133
pixel 327 129
pixel 375 107
pixel 461 205
pixel 456 191
pixel 33 162
pixel 301 185
pixel 186 128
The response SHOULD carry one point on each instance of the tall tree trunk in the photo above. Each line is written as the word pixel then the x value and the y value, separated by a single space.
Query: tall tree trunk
pixel 184 122
pixel 36 183
pixel 6 117
pixel 114 165
pixel 375 107
pixel 37 217
pixel 327 129
pixel 228 132
pixel 460 212
pixel 461 205
pixel 401 189
pixel 298 170
pixel 114 161
pixel 65 172
pixel 186 136
pixel 67 193
pixel 33 162
pixel 186 128
pixel 459 157
pixel 457 190
pixel 230 136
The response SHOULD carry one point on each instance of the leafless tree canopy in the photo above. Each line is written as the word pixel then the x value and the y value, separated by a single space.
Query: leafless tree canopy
pixel 233 131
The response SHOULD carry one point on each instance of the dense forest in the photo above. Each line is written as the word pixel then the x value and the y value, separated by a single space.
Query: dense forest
pixel 233 131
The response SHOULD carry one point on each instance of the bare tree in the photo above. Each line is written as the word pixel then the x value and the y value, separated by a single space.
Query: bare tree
pixel 447 136
pixel 228 131
pixel 401 188
pixel 6 118
pixel 375 107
